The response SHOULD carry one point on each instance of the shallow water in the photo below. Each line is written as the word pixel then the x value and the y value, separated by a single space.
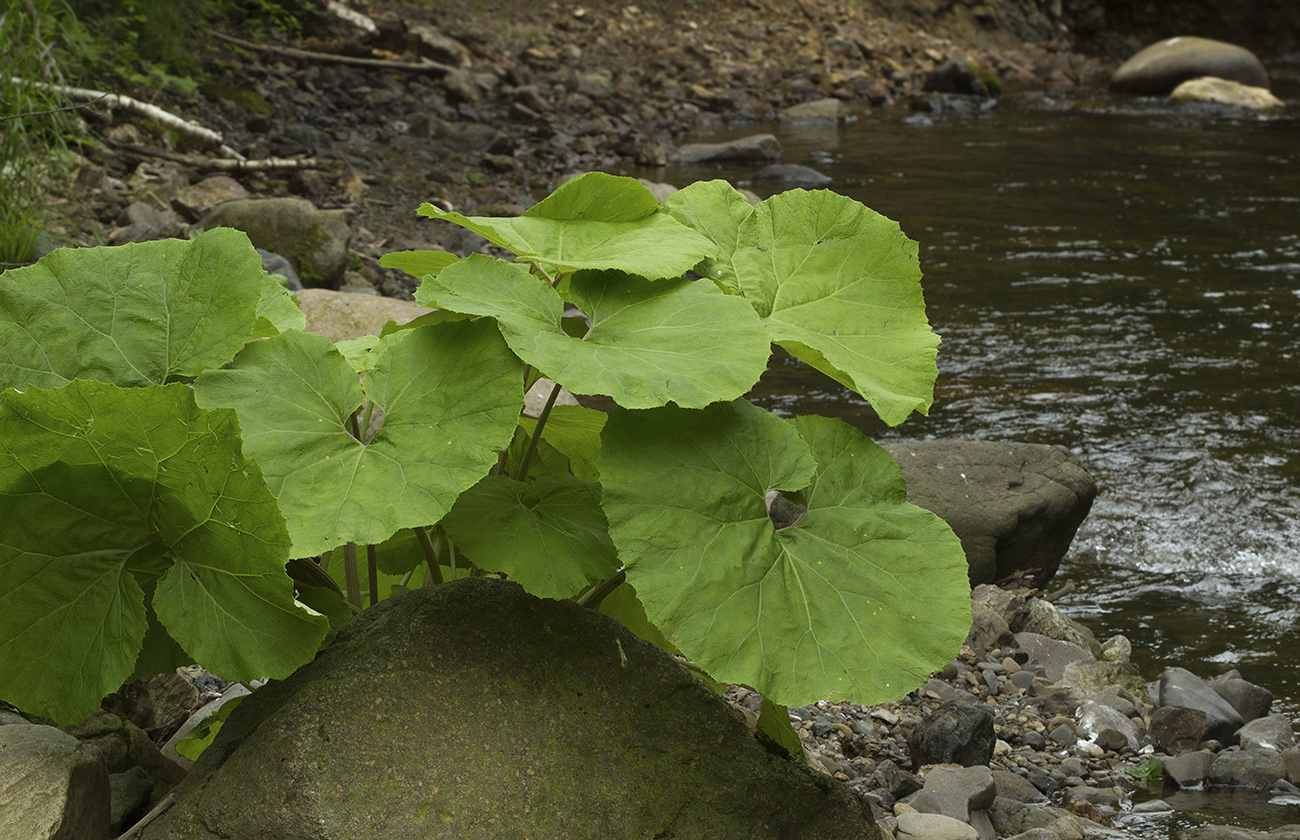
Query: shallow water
pixel 1122 277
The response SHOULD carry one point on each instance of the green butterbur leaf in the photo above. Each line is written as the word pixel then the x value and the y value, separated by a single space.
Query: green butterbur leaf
pixel 549 535
pixel 450 395
pixel 140 314
pixel 774 722
pixel 596 221
pixel 418 263
pixel 860 599
pixel 717 210
pixel 102 484
pixel 836 284
pixel 277 311
pixel 574 431
pixel 649 344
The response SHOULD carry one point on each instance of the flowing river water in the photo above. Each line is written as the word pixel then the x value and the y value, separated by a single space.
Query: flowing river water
pixel 1120 276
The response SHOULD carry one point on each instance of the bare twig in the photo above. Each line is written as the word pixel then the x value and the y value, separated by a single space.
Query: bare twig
pixel 224 164
pixel 424 66
pixel 153 112
pixel 78 107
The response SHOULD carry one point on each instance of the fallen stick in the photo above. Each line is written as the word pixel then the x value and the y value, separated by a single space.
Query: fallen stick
pixel 153 112
pixel 224 164
pixel 424 66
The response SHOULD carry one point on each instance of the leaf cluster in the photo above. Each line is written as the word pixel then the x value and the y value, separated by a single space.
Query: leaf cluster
pixel 183 441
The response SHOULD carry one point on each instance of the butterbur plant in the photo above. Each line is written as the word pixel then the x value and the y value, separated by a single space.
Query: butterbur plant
pixel 170 438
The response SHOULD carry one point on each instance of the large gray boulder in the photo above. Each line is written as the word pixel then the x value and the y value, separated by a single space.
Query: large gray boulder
pixel 475 710
pixel 51 787
pixel 1163 66
pixel 1015 506
pixel 1180 687
pixel 314 241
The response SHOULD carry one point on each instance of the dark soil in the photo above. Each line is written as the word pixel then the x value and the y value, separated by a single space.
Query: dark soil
pixel 528 92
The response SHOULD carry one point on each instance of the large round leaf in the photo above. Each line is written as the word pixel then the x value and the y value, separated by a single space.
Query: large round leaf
pixel 549 535
pixel 103 489
pixel 597 221
pixel 140 314
pixel 859 600
pixel 450 396
pixel 649 343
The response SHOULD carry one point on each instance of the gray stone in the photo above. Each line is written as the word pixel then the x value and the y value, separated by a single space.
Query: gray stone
pixel 1158 69
pixel 197 200
pixel 956 792
pixel 1015 506
pixel 1090 678
pixel 1110 798
pixel 1180 687
pixel 818 112
pixel 1094 718
pixel 1052 655
pixel 1291 758
pixel 51 787
pixel 1043 618
pixel 314 241
pixel 473 709
pixel 988 629
pixel 276 264
pixel 1014 786
pixel 964 77
pixel 793 174
pixel 1258 769
pixel 1176 730
pixel 121 745
pixel 340 315
pixel 954 733
pixel 1251 701
pixel 130 791
pixel 1267 733
pixel 757 148
pixel 916 826
pixel 1190 769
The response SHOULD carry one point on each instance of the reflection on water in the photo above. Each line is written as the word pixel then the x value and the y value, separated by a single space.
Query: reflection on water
pixel 1120 277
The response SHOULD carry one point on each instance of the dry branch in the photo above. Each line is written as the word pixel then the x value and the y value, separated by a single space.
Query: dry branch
pixel 223 164
pixel 424 66
pixel 165 118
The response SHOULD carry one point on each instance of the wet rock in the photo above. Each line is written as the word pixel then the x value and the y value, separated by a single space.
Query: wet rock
pixel 1190 769
pixel 1251 701
pixel 1268 733
pixel 1180 687
pixel 1163 66
pixel 315 241
pixel 792 174
pixel 962 76
pixel 1175 729
pixel 53 787
pixel 1258 769
pixel 954 733
pixel 1015 506
pixel 558 736
pixel 757 148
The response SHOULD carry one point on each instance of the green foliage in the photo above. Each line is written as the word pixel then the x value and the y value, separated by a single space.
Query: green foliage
pixel 1149 772
pixel 33 126
pixel 412 444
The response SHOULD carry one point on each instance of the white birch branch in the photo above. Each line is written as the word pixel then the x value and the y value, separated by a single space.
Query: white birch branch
pixel 153 112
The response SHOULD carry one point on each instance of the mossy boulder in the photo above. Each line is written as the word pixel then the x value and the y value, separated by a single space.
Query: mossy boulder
pixel 315 241
pixel 475 710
